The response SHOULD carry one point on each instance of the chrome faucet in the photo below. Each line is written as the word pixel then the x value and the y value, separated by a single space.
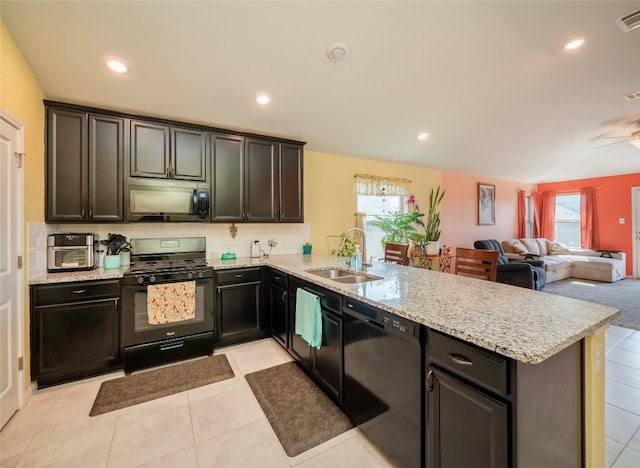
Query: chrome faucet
pixel 364 243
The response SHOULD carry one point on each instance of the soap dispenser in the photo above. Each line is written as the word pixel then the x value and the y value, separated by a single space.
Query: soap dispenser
pixel 255 249
pixel 356 263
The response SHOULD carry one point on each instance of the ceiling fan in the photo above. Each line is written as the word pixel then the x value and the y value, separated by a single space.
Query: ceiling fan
pixel 633 138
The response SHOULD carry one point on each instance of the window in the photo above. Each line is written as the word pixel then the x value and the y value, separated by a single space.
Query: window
pixel 567 226
pixel 528 215
pixel 372 206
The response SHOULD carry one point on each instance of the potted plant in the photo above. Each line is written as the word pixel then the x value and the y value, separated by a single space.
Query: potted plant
pixel 347 248
pixel 115 243
pixel 432 224
pixel 398 228
pixel 306 248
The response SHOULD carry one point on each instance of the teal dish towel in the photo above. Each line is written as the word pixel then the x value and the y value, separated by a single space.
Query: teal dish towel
pixel 308 317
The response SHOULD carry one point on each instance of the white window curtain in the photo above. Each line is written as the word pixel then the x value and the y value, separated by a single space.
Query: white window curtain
pixel 380 186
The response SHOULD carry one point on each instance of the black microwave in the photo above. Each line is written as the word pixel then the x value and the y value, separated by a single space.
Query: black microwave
pixel 167 200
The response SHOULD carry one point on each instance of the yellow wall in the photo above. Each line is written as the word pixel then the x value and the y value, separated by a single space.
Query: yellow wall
pixel 329 190
pixel 21 96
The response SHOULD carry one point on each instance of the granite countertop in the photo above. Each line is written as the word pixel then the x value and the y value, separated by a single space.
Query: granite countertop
pixel 519 323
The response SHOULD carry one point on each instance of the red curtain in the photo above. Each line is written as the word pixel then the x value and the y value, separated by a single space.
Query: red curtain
pixel 589 235
pixel 522 221
pixel 544 214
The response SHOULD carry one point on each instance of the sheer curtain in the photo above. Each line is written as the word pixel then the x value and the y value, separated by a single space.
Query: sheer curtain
pixel 522 221
pixel 589 235
pixel 544 215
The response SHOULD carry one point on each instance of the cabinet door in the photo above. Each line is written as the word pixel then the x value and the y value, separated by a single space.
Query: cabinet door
pixel 189 154
pixel 465 427
pixel 298 348
pixel 66 165
pixel 75 340
pixel 106 164
pixel 227 179
pixel 291 189
pixel 150 155
pixel 238 313
pixel 278 313
pixel 327 361
pixel 261 181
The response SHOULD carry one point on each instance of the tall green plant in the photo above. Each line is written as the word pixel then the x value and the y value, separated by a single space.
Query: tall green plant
pixel 397 227
pixel 432 224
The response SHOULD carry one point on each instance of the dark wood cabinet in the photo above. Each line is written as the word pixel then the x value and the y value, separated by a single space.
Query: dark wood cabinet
pixel 261 181
pixel 326 363
pixel 279 307
pixel 85 157
pixel 291 183
pixel 167 152
pixel 466 427
pixel 227 178
pixel 238 312
pixel 484 410
pixel 75 330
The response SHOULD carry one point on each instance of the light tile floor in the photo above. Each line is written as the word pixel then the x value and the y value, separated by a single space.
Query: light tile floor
pixel 218 425
pixel 222 424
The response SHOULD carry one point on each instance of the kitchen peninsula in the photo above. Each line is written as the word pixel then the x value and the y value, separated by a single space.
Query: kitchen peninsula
pixel 533 341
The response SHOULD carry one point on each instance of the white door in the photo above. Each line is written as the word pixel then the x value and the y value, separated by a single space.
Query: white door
pixel 635 203
pixel 11 304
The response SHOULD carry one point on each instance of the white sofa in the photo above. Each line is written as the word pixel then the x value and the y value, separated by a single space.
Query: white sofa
pixel 561 262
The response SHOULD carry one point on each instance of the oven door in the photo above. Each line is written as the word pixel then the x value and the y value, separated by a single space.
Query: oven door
pixel 141 326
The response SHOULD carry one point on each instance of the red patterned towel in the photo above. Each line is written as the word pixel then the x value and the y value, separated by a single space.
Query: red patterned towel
pixel 172 302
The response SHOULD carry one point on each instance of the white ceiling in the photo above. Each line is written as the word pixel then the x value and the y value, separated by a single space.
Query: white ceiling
pixel 489 81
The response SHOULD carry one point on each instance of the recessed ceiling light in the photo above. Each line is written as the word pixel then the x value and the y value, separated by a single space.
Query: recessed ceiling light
pixel 263 99
pixel 574 43
pixel 116 65
pixel 337 52
pixel 423 136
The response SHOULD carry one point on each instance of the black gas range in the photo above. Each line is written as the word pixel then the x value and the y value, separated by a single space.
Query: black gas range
pixel 167 274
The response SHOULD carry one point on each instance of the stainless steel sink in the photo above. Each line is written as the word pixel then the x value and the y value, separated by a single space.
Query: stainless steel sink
pixel 357 278
pixel 344 276
pixel 331 273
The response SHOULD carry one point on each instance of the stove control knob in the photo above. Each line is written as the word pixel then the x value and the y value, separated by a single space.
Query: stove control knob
pixel 140 279
pixel 200 274
pixel 152 279
pixel 190 275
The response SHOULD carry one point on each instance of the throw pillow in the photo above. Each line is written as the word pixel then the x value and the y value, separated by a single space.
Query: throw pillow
pixel 518 247
pixel 557 248
pixel 531 245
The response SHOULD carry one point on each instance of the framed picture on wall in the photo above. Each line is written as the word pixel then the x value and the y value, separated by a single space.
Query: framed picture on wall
pixel 486 204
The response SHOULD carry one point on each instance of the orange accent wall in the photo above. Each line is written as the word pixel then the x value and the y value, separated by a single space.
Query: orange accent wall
pixel 459 212
pixel 613 201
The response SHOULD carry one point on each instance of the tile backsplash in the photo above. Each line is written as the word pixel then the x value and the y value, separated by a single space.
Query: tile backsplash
pixel 290 237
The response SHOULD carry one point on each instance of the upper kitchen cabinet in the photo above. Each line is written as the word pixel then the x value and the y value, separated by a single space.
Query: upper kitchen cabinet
pixel 261 180
pixel 167 152
pixel 244 179
pixel 85 159
pixel 291 190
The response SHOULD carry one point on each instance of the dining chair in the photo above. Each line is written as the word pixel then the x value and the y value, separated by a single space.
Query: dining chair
pixel 396 253
pixel 481 264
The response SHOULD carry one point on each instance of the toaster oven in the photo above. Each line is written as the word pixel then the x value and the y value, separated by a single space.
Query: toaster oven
pixel 71 251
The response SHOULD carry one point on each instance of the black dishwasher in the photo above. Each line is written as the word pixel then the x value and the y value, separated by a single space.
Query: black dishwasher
pixel 383 380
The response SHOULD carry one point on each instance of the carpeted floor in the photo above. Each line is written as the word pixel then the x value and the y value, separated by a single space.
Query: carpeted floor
pixel 149 385
pixel 301 415
pixel 623 295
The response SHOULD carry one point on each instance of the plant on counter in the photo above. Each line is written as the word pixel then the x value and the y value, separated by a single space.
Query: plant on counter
pixel 347 249
pixel 116 243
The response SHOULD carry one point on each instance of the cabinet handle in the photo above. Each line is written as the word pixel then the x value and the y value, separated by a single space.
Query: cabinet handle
pixel 284 296
pixel 167 173
pixel 461 360
pixel 239 275
pixel 90 213
pixel 276 277
pixel 82 212
pixel 430 381
pixel 79 291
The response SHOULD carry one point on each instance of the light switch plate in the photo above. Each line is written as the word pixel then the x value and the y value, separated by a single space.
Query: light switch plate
pixel 621 220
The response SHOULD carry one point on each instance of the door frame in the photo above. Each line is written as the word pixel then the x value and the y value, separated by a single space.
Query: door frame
pixel 20 284
pixel 635 225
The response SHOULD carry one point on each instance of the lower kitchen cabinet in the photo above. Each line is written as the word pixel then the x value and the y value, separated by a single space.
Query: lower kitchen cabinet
pixel 239 311
pixel 75 330
pixel 324 364
pixel 484 410
pixel 278 307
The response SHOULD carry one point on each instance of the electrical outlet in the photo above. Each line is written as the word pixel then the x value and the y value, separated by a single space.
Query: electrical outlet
pixel 273 243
